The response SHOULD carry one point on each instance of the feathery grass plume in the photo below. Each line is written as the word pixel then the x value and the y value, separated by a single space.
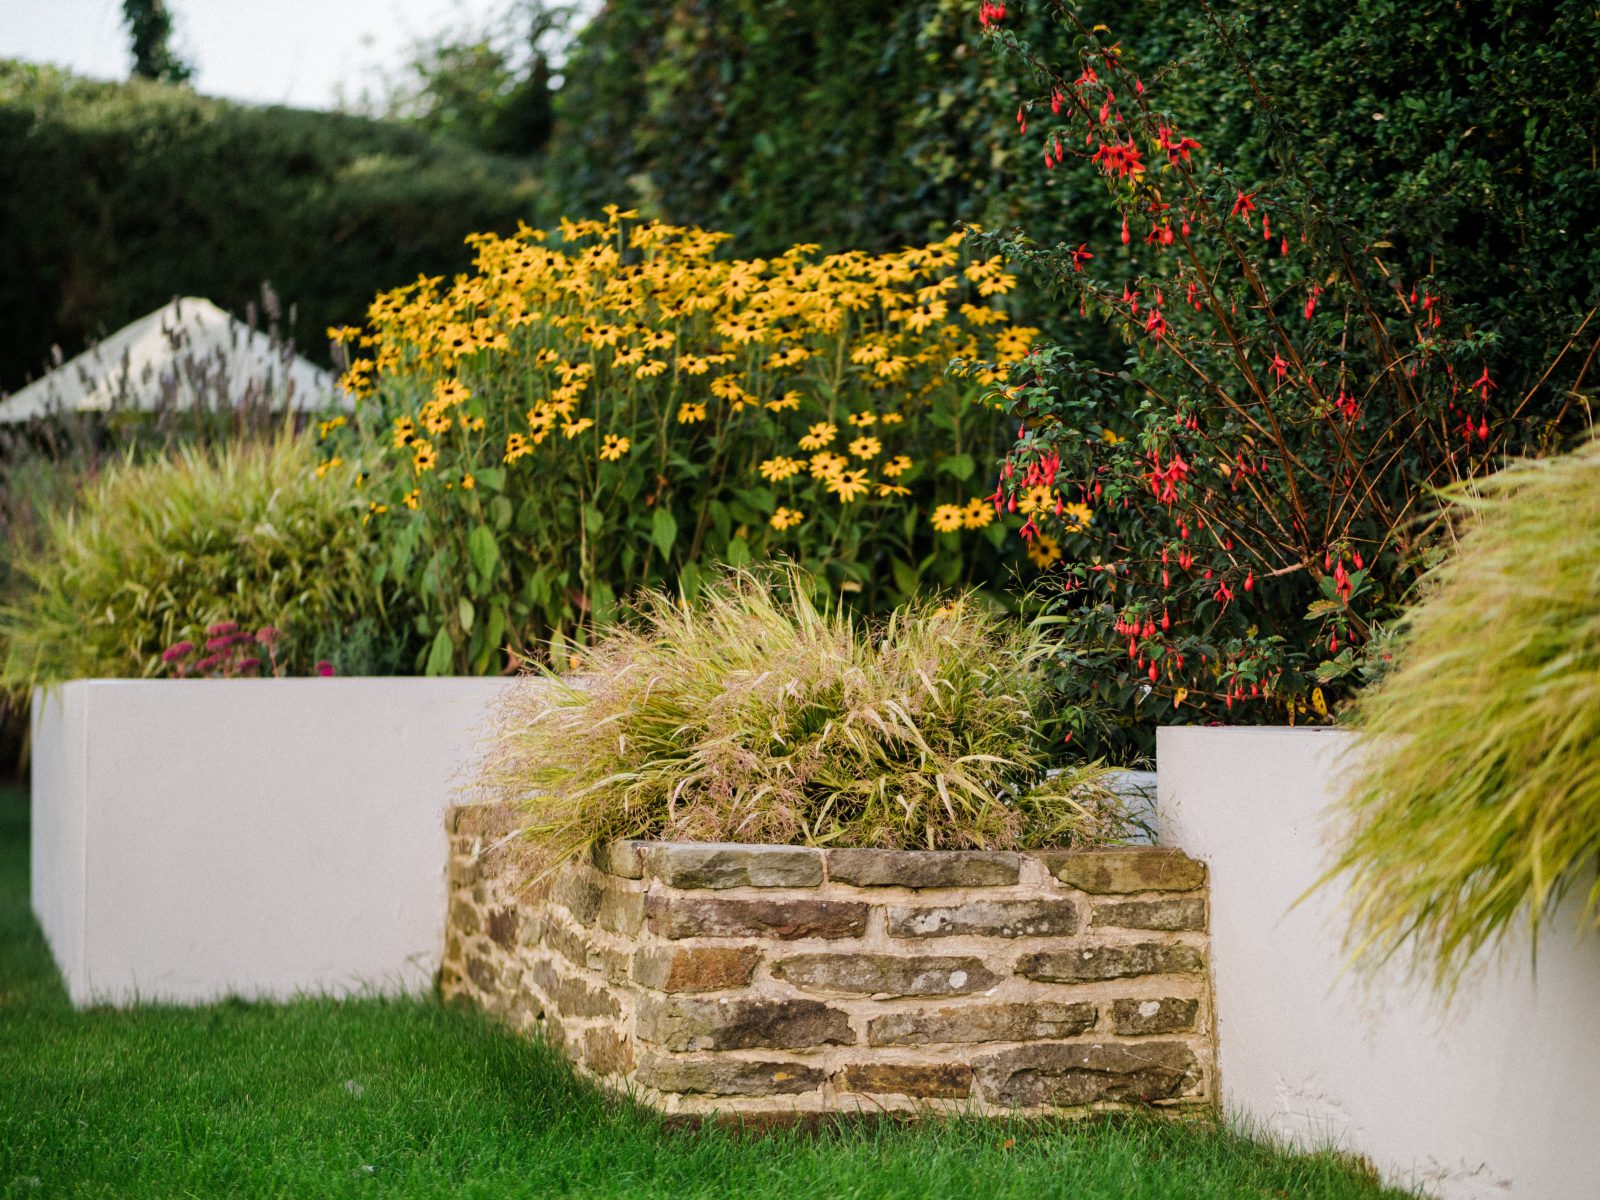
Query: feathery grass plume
pixel 152 553
pixel 754 715
pixel 1477 802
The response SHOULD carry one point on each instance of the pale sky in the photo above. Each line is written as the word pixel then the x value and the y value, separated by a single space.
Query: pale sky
pixel 295 52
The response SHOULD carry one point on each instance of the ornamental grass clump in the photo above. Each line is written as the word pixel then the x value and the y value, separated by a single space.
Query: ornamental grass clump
pixel 1477 803
pixel 755 714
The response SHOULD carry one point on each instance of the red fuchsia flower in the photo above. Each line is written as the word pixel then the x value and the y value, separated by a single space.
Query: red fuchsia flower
pixel 1244 204
pixel 1176 146
pixel 991 14
pixel 1279 367
pixel 1119 158
pixel 1483 383
pixel 1347 406
pixel 324 668
pixel 222 627
pixel 176 651
pixel 1055 93
pixel 1080 256
pixel 1155 324
pixel 1311 301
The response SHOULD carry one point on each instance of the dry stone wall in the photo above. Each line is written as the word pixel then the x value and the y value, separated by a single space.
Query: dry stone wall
pixel 781 980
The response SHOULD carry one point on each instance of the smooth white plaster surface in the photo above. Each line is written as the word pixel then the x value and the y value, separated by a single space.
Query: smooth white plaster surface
pixel 194 839
pixel 1498 1097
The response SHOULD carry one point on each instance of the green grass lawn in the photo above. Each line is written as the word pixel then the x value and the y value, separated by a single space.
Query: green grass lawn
pixel 407 1099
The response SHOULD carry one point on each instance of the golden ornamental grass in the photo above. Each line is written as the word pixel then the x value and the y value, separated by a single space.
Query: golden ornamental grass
pixel 1477 805
pixel 756 715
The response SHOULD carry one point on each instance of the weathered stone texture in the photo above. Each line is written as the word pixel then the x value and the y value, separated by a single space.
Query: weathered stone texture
pixel 986 918
pixel 1040 1020
pixel 1169 913
pixel 1070 1075
pixel 740 1024
pixel 722 865
pixel 924 868
pixel 786 920
pixel 885 974
pixel 1091 962
pixel 770 981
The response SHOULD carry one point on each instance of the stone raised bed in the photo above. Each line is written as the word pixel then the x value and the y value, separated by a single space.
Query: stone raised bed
pixel 777 980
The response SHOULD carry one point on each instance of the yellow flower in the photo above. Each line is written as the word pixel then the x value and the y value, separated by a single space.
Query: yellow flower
pixel 786 401
pixel 1044 552
pixel 405 432
pixel 818 436
pixel 897 466
pixel 450 392
pixel 424 456
pixel 847 485
pixel 413 499
pixel 781 468
pixel 650 369
pixel 997 285
pixel 434 419
pixel 892 489
pixel 516 447
pixel 827 466
pixel 374 509
pixel 947 518
pixel 324 428
pixel 340 334
pixel 1076 517
pixel 468 482
pixel 573 428
pixel 690 365
pixel 787 518
pixel 977 514
pixel 628 357
pixel 866 447
pixel 1109 436
pixel 688 414
pixel 892 418
pixel 1036 500
pixel 614 447
pixel 863 419
pixel 324 468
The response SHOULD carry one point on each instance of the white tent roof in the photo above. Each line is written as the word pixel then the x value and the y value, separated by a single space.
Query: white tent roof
pixel 189 349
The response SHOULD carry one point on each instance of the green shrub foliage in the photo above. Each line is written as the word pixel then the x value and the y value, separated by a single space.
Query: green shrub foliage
pixel 120 196
pixel 1477 802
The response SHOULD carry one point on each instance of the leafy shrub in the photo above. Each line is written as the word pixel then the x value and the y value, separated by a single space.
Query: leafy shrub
pixel 1283 404
pixel 152 554
pixel 571 424
pixel 121 196
pixel 754 715
pixel 1477 800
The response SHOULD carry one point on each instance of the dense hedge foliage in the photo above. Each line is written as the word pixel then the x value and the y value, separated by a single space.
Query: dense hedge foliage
pixel 120 196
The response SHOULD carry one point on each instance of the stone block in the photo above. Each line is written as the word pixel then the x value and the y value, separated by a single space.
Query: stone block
pixel 1166 1015
pixel 681 1024
pixel 1088 963
pixel 577 888
pixel 1170 913
pixel 607 1051
pixel 503 927
pixel 725 864
pixel 483 973
pixel 785 920
pixel 572 995
pixel 1125 869
pixel 622 859
pixel 985 918
pixel 885 974
pixel 621 910
pixel 694 969
pixel 924 868
pixel 1072 1074
pixel 1044 1020
pixel 922 1081
pixel 727 1076
pixel 463 917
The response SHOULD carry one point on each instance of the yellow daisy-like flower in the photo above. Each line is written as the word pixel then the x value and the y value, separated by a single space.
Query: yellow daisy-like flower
pixel 573 428
pixel 688 414
pixel 1076 517
pixel 468 482
pixel 826 465
pixel 1044 552
pixel 977 514
pixel 614 447
pixel 1036 500
pixel 516 446
pixel 547 358
pixel 628 356
pixel 947 518
pixel 892 418
pixel 781 468
pixel 324 468
pixel 897 466
pixel 866 447
pixel 434 419
pixel 818 436
pixel 786 518
pixel 892 489
pixel 863 419
pixel 787 401
pixel 450 392
pixel 690 365
pixel 424 456
pixel 649 369
pixel 847 485
pixel 997 285
pixel 405 432
pixel 324 428
pixel 413 499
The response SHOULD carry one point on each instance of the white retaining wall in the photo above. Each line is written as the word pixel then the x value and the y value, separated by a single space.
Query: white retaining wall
pixel 200 838
pixel 1497 1097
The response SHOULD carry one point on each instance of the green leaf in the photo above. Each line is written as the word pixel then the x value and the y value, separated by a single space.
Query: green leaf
pixel 738 553
pixel 663 531
pixel 905 578
pixel 1323 608
pixel 439 654
pixel 493 478
pixel 483 550
pixel 467 613
pixel 958 466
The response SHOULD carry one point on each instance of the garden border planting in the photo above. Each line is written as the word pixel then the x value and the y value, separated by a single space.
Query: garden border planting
pixel 766 981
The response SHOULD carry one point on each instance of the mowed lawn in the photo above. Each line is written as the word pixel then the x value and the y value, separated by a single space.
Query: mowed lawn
pixel 408 1099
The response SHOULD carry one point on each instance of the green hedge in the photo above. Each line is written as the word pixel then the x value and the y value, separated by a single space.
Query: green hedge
pixel 120 196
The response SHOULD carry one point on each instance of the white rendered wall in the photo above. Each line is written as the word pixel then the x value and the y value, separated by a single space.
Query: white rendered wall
pixel 194 839
pixel 1496 1097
